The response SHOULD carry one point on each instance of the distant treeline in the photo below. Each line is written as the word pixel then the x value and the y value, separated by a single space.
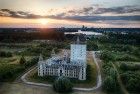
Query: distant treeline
pixel 63 29
pixel 132 38
pixel 117 35
pixel 23 36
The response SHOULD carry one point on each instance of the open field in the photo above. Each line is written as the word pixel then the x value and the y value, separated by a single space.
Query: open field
pixel 10 66
pixel 14 59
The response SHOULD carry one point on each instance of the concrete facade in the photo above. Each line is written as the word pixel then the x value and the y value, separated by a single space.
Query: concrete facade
pixel 71 67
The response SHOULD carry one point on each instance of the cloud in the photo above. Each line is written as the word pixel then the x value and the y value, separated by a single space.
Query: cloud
pixel 98 18
pixel 18 14
pixel 118 10
pixel 97 10
pixel 92 13
pixel 83 11
pixel 87 14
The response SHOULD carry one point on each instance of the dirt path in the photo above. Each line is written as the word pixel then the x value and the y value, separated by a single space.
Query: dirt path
pixel 120 81
pixel 99 80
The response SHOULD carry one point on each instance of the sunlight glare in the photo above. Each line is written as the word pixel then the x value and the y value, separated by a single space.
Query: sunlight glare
pixel 43 21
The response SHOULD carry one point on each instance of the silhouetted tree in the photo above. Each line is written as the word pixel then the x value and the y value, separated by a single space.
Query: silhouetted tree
pixel 22 60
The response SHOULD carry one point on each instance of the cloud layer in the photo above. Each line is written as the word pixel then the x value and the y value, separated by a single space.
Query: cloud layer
pixel 90 14
pixel 18 14
pixel 96 10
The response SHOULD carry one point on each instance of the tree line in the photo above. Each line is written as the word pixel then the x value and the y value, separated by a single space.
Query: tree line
pixel 23 36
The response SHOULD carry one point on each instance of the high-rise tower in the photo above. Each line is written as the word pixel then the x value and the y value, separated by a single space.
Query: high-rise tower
pixel 78 51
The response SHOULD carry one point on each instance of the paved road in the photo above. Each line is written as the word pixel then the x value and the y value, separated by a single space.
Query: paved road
pixel 99 80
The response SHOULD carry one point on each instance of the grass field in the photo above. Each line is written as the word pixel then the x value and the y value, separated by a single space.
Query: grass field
pixel 14 59
pixel 10 68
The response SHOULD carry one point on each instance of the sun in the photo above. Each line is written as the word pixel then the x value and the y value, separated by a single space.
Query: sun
pixel 43 21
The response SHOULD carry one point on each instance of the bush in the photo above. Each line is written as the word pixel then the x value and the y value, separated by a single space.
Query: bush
pixel 31 62
pixel 127 57
pixel 132 67
pixel 5 54
pixel 8 72
pixel 62 85
pixel 107 56
pixel 123 66
pixel 109 84
pixel 131 80
pixel 22 60
pixel 106 68
pixel 113 74
pixel 91 45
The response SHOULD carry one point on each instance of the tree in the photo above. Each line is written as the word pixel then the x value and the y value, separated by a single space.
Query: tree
pixel 5 54
pixel 31 62
pixel 22 60
pixel 62 85
pixel 123 66
pixel 9 54
pixel 113 74
pixel 91 45
pixel 107 56
pixel 109 84
pixel 131 80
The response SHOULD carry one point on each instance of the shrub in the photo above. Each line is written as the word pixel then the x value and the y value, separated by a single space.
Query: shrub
pixel 123 66
pixel 62 85
pixel 22 60
pixel 8 72
pixel 31 62
pixel 127 57
pixel 106 67
pixel 113 74
pixel 5 54
pixel 109 84
pixel 92 46
pixel 132 67
pixel 131 80
pixel 107 56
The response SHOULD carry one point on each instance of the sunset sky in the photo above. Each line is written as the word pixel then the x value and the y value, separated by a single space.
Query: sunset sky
pixel 70 13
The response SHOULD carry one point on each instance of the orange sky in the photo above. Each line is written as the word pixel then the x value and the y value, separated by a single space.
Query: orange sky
pixel 70 13
pixel 39 22
pixel 48 23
